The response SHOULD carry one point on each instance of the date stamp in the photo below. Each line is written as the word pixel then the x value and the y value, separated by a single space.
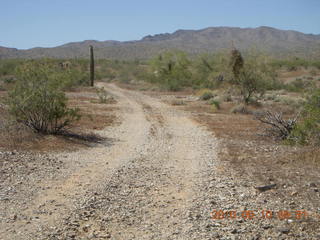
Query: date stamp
pixel 218 214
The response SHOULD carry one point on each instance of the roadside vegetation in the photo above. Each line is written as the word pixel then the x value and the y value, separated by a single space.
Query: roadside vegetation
pixel 46 97
pixel 264 113
pixel 281 93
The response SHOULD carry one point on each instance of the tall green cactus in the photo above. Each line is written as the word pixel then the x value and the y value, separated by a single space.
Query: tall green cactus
pixel 91 67
pixel 236 63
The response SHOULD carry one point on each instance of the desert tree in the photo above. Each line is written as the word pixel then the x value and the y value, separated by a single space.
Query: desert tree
pixel 252 74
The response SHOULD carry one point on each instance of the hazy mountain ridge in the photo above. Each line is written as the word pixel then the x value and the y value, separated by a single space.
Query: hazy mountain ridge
pixel 273 41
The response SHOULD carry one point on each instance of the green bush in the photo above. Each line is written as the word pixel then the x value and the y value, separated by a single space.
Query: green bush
pixel 298 85
pixel 207 70
pixel 8 66
pixel 171 70
pixel 206 96
pixel 37 99
pixel 307 130
pixel 253 77
pixel 215 103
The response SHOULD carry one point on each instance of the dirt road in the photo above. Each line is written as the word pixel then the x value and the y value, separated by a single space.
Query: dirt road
pixel 156 177
pixel 141 185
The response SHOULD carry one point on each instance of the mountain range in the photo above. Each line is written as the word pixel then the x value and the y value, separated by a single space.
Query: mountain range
pixel 276 42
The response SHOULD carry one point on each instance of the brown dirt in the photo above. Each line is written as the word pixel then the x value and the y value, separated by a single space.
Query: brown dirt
pixel 263 160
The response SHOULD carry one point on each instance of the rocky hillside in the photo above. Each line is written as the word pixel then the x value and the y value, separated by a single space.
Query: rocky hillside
pixel 274 41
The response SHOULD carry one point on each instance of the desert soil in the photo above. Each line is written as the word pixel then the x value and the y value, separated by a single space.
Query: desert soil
pixel 157 176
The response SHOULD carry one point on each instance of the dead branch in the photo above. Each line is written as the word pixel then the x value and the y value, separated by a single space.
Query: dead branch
pixel 280 127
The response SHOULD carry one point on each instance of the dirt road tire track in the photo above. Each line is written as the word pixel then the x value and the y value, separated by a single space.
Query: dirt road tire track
pixel 153 165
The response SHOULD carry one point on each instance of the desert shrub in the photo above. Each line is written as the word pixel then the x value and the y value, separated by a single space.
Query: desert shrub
pixel 313 72
pixel 294 63
pixel 307 130
pixel 72 78
pixel 208 70
pixel 8 66
pixel 214 108
pixel 13 134
pixel 206 95
pixel 225 98
pixel 292 68
pixel 274 83
pixel 215 103
pixel 252 75
pixel 270 97
pixel 37 99
pixel 298 85
pixel 102 95
pixel 124 77
pixel 279 126
pixel 171 70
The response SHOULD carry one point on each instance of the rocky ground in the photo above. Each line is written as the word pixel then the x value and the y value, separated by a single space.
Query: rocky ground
pixel 157 176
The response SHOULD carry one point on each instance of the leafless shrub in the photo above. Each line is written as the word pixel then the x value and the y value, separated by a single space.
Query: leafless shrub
pixel 280 127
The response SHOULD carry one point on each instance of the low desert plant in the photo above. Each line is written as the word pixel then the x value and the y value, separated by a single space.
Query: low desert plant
pixel 313 72
pixel 102 95
pixel 251 75
pixel 171 70
pixel 307 130
pixel 279 126
pixel 215 103
pixel 206 95
pixel 38 101
pixel 226 98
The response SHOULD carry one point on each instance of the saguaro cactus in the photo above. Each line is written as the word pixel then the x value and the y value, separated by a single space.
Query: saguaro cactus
pixel 236 62
pixel 91 67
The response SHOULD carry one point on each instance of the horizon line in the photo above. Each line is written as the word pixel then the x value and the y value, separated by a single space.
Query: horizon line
pixel 133 40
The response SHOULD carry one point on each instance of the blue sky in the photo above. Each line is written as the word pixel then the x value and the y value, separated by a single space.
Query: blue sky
pixel 47 23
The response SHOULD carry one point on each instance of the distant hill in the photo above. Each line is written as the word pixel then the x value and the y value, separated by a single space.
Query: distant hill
pixel 273 41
